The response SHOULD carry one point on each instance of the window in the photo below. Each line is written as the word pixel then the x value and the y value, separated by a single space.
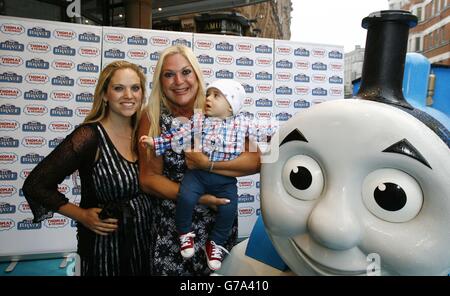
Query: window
pixel 417 47
pixel 419 14
pixel 427 11
pixel 436 38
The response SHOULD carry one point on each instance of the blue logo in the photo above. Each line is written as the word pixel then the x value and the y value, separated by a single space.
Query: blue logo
pixel 283 116
pixel 143 69
pixel 61 112
pixel 258 212
pixel 248 88
pixel 114 53
pixel 6 208
pixel 27 224
pixel 246 197
pixel 8 142
pixel 263 76
pixel 35 94
pixel 37 64
pixel 34 126
pixel 73 223
pixel 319 91
pixel 334 54
pixel 8 175
pixel 301 78
pixel 244 62
pixel 301 104
pixel 263 102
pixel 11 45
pixel 84 97
pixel 38 32
pixel 55 142
pixel 76 190
pixel 31 158
pixel 303 52
pixel 284 64
pixel 248 115
pixel 63 80
pixel 336 79
pixel 283 90
pixel 258 184
pixel 224 46
pixel 181 41
pixel 8 109
pixel 224 74
pixel 87 67
pixel 137 40
pixel 89 37
pixel 10 77
pixel 64 50
pixel 263 49
pixel 319 66
pixel 154 56
pixel 205 59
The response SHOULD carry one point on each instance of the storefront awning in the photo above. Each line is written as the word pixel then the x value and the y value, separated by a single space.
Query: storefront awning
pixel 166 8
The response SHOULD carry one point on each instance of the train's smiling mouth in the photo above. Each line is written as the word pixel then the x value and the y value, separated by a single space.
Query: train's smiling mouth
pixel 322 269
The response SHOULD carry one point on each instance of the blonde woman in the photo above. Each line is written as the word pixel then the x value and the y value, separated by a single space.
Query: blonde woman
pixel 178 89
pixel 111 239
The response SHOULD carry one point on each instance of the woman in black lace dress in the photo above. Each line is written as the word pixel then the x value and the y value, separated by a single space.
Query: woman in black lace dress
pixel 114 241
pixel 178 88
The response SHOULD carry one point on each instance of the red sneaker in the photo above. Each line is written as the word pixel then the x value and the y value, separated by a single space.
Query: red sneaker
pixel 187 245
pixel 214 255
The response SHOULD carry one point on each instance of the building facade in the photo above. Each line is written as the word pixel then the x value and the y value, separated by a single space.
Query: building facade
pixel 265 19
pixel 353 62
pixel 255 18
pixel 272 19
pixel 431 36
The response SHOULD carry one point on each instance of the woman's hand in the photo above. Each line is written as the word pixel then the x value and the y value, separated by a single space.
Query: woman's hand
pixel 212 201
pixel 196 160
pixel 91 220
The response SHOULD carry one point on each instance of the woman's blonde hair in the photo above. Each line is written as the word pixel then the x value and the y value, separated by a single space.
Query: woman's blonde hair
pixel 158 99
pixel 99 107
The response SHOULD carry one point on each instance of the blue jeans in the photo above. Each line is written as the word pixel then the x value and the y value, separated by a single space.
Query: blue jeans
pixel 195 183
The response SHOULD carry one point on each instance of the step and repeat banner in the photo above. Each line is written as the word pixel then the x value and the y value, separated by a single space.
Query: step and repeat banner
pixel 47 79
pixel 48 73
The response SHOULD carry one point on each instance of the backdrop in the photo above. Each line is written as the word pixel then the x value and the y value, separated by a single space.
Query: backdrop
pixel 47 79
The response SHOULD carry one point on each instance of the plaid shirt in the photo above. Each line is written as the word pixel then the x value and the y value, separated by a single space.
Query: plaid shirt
pixel 221 140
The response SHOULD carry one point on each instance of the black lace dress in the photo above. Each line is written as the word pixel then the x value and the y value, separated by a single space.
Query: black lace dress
pixel 167 259
pixel 111 180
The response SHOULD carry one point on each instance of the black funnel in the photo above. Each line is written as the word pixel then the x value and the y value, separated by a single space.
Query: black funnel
pixel 384 57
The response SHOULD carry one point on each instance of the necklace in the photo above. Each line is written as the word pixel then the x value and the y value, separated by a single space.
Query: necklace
pixel 121 136
pixel 112 131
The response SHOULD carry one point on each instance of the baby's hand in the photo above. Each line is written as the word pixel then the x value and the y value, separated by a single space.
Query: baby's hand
pixel 146 142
